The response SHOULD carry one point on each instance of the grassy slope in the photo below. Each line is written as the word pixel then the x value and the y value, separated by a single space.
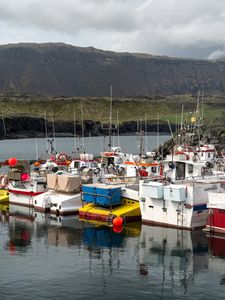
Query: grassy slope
pixel 97 109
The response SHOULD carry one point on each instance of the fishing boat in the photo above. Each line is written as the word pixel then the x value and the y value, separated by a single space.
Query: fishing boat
pixel 23 186
pixel 179 197
pixel 63 196
pixel 107 203
pixel 216 213
pixel 4 196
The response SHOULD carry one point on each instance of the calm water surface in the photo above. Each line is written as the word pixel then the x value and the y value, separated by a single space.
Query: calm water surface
pixel 36 148
pixel 44 257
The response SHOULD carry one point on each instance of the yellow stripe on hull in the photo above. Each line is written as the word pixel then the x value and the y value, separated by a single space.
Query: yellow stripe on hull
pixel 4 196
pixel 129 210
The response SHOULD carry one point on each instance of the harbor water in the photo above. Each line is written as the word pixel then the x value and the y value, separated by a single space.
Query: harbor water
pixel 48 257
pixel 36 148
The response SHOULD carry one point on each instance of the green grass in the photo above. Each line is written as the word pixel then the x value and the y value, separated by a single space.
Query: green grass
pixel 97 109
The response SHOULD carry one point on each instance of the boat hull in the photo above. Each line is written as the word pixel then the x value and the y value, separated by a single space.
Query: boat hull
pixel 58 203
pixel 129 210
pixel 22 198
pixel 216 221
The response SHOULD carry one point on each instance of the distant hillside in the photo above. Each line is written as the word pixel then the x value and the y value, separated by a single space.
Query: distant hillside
pixel 60 69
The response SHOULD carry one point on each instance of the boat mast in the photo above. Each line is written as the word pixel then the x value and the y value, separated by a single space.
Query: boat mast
pixel 53 130
pixel 118 128
pixel 141 149
pixel 82 125
pixel 74 127
pixel 202 107
pixel 146 134
pixel 46 130
pixel 158 132
pixel 110 118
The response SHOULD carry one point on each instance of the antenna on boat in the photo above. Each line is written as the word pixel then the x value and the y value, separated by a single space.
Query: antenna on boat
pixel 110 118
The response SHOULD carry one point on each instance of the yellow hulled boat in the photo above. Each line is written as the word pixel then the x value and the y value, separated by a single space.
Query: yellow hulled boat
pixel 4 196
pixel 129 210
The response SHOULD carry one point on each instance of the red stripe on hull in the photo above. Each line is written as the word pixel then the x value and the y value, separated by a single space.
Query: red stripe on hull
pixel 216 220
pixel 19 192
pixel 106 218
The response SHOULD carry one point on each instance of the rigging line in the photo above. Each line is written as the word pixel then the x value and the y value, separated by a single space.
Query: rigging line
pixel 53 130
pixel 74 127
pixel 46 130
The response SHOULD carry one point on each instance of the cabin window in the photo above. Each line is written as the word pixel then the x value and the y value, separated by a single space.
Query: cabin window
pixel 202 154
pixel 208 155
pixel 190 169
pixel 153 169
pixel 76 164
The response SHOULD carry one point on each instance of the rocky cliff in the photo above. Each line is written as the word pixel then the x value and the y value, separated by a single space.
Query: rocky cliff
pixel 60 69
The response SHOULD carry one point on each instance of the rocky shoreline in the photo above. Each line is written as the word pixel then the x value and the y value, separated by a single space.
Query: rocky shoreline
pixel 25 127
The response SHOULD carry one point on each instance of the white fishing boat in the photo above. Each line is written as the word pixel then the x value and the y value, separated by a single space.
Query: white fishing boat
pixel 23 193
pixel 63 196
pixel 85 161
pixel 179 197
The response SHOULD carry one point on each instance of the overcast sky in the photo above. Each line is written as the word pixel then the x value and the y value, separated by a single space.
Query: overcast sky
pixel 180 28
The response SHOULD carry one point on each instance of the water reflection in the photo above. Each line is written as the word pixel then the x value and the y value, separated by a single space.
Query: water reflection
pixel 90 261
pixel 63 231
pixel 171 258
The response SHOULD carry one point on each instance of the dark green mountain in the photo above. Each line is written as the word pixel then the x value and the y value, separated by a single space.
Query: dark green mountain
pixel 60 69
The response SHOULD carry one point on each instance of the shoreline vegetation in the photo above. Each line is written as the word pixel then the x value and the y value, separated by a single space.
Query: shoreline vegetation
pixel 26 115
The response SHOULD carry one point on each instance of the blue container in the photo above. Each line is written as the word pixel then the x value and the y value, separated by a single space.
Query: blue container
pixel 88 193
pixel 108 195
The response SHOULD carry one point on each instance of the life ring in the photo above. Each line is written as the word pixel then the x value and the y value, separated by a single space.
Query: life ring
pixel 63 157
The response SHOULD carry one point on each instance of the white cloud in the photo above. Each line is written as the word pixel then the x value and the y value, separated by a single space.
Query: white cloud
pixel 165 27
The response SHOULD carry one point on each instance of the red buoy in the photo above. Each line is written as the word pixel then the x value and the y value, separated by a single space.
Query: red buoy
pixel 12 161
pixel 24 177
pixel 118 229
pixel 117 221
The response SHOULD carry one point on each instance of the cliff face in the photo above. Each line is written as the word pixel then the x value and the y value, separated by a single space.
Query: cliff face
pixel 59 69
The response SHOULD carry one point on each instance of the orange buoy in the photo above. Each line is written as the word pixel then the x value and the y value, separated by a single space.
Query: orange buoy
pixel 117 221
pixel 37 164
